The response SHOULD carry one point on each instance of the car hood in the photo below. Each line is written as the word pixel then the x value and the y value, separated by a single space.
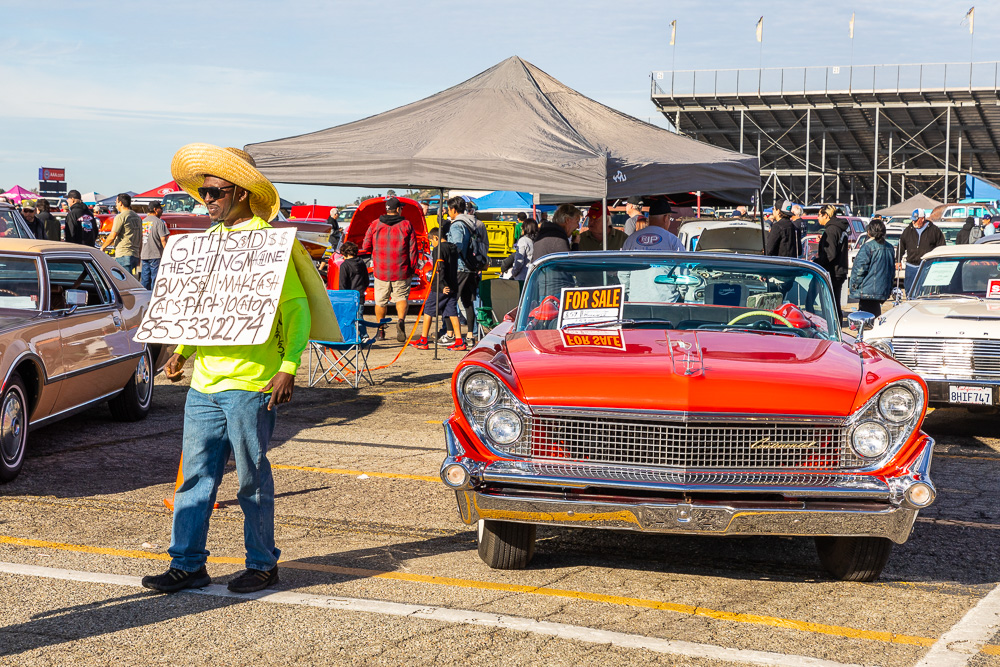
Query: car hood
pixel 692 371
pixel 939 318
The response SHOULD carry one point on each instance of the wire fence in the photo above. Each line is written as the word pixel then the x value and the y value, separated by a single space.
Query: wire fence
pixel 927 77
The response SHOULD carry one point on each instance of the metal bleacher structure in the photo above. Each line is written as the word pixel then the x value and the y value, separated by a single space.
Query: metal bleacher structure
pixel 869 135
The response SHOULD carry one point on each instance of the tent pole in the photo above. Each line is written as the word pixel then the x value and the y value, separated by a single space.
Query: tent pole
pixel 604 221
pixel 437 277
pixel 760 209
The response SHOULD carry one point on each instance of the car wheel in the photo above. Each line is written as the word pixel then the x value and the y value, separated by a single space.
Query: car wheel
pixel 506 546
pixel 133 403
pixel 854 558
pixel 13 428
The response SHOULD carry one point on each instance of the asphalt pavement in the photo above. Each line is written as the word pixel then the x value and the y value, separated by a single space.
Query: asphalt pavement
pixel 378 569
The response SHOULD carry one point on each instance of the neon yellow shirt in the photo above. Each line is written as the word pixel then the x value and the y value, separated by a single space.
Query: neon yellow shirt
pixel 250 367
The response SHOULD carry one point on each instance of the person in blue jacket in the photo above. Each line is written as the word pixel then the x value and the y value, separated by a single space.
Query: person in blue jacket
pixel 874 270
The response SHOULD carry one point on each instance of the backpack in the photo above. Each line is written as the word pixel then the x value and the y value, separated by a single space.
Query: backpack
pixel 476 256
pixel 975 233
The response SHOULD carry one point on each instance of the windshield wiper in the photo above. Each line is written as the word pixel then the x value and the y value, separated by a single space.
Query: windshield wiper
pixel 597 325
pixel 950 296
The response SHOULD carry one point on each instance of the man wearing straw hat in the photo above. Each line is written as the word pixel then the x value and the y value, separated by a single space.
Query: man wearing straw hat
pixel 235 389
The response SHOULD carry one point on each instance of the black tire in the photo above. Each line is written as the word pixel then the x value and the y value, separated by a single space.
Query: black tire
pixel 506 546
pixel 13 428
pixel 854 558
pixel 133 403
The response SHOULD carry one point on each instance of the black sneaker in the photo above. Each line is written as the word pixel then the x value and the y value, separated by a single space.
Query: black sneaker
pixel 250 581
pixel 400 331
pixel 174 580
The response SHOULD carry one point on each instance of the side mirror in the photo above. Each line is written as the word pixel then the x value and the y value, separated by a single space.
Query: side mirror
pixel 74 299
pixel 859 321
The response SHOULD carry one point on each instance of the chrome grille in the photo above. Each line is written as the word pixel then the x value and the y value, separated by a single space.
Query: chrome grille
pixel 757 445
pixel 951 358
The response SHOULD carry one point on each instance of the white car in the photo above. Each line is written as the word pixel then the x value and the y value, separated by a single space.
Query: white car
pixel 747 239
pixel 948 330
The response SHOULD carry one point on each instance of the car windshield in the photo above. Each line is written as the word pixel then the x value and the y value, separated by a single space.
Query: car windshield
pixel 345 215
pixel 969 276
pixel 19 283
pixel 182 202
pixel 812 226
pixel 950 233
pixel 714 293
pixel 9 227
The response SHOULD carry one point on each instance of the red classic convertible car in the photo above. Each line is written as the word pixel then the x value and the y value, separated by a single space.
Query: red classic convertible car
pixel 686 393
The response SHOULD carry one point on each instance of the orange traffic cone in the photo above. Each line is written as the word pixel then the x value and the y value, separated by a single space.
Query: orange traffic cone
pixel 169 502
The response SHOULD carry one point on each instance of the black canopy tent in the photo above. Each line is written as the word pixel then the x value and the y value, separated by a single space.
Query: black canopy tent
pixel 512 127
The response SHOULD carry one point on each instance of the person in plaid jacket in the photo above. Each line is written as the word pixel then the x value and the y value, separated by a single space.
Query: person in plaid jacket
pixel 393 246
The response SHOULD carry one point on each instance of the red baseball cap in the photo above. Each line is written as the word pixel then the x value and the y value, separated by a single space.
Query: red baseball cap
pixel 596 210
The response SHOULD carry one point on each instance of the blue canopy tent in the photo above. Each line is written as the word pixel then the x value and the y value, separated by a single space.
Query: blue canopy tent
pixel 113 199
pixel 504 200
pixel 979 189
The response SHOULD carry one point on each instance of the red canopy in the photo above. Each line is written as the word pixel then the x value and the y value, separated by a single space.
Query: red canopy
pixel 171 186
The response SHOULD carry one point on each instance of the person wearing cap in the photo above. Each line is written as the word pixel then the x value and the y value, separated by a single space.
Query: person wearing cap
pixel 126 234
pixel 154 237
pixel 236 389
pixel 783 239
pixel 919 238
pixel 633 206
pixel 990 225
pixel 34 224
pixel 81 226
pixel 392 244
pixel 593 237
pixel 657 236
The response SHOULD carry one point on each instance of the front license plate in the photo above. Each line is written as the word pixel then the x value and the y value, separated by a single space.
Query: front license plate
pixel 971 395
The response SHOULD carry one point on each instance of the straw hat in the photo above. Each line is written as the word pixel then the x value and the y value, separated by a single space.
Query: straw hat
pixel 192 163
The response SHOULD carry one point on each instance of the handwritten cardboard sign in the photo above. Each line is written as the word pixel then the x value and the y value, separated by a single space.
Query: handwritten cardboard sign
pixel 218 289
pixel 586 305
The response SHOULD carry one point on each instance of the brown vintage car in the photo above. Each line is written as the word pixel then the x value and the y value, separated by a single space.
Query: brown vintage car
pixel 67 317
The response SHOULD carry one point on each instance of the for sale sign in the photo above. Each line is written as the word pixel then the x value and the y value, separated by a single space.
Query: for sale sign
pixel 587 305
pixel 218 288
pixel 993 289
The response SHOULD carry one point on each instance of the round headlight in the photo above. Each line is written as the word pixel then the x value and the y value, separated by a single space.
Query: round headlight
pixel 897 404
pixel 870 439
pixel 504 426
pixel 882 345
pixel 481 390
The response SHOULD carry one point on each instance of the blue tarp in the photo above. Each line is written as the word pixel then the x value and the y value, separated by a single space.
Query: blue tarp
pixel 977 188
pixel 504 200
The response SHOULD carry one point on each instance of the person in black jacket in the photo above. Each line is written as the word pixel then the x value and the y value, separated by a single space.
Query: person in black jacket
pixel 783 239
pixel 36 226
pixel 443 301
pixel 832 252
pixel 919 238
pixel 51 226
pixel 81 226
pixel 353 270
pixel 963 234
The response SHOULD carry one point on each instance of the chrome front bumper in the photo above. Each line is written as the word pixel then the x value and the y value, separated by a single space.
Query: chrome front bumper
pixel 624 498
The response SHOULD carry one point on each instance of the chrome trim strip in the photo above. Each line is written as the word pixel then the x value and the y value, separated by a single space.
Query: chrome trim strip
pixel 68 412
pixel 794 518
pixel 95 367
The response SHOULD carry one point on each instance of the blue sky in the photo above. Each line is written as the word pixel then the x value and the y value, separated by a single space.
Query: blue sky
pixel 109 90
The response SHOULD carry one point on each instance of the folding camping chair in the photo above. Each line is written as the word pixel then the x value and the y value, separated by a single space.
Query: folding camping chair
pixel 497 298
pixel 328 360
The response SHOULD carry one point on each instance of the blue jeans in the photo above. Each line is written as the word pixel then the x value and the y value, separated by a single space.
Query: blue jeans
pixel 128 262
pixel 911 274
pixel 215 425
pixel 150 267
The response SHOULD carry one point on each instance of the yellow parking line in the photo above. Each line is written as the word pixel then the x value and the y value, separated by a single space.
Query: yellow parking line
pixel 356 473
pixel 433 421
pixel 691 610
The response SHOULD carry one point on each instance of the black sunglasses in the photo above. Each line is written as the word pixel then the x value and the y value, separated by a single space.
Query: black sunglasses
pixel 213 192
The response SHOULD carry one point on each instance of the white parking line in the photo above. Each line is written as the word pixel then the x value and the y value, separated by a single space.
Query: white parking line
pixel 966 638
pixel 462 616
